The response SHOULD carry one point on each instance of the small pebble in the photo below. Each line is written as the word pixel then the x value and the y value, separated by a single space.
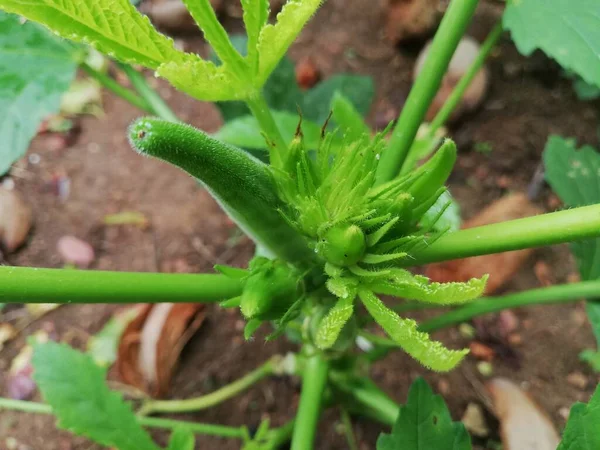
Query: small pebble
pixel 75 251
pixel 578 380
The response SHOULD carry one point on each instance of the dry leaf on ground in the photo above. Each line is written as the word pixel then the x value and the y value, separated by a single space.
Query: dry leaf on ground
pixel 523 425
pixel 152 342
pixel 500 266
pixel 16 219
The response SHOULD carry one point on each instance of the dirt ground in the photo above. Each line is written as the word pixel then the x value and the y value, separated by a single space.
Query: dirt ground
pixel 528 101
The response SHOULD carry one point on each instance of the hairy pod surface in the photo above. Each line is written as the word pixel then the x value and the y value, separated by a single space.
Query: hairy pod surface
pixel 240 183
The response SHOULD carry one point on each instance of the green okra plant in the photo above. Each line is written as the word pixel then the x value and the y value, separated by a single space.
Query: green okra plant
pixel 337 220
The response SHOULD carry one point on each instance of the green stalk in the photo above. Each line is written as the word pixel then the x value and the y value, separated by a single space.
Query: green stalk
pixel 314 379
pixel 155 101
pixel 543 296
pixel 214 398
pixel 459 90
pixel 260 110
pixel 200 428
pixel 364 398
pixel 544 229
pixel 449 34
pixel 112 85
pixel 32 285
pixel 348 432
pixel 280 436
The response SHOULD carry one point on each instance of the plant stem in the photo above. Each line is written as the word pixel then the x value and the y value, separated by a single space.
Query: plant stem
pixel 314 378
pixel 544 229
pixel 108 82
pixel 200 428
pixel 155 101
pixel 348 432
pixel 543 296
pixel 459 90
pixel 281 435
pixel 32 285
pixel 212 399
pixel 372 402
pixel 262 113
pixel 451 30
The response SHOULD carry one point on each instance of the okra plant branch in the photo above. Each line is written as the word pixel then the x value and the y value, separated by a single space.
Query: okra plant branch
pixel 537 231
pixel 449 34
pixel 271 367
pixel 33 285
pixel 151 422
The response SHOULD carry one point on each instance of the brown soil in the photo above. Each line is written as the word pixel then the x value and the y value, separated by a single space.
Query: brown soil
pixel 527 102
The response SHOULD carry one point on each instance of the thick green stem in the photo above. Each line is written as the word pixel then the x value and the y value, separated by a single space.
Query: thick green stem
pixel 543 296
pixel 457 94
pixel 314 378
pixel 32 285
pixel 151 97
pixel 262 113
pixel 108 82
pixel 214 398
pixel 444 44
pixel 200 428
pixel 544 229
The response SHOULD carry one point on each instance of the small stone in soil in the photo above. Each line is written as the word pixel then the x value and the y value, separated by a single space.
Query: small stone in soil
pixel 578 380
pixel 75 251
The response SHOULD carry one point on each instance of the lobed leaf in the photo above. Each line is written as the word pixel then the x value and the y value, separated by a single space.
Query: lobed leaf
pixel 431 354
pixel 332 324
pixel 114 27
pixel 566 30
pixel 75 387
pixel 203 79
pixel 28 94
pixel 206 18
pixel 402 283
pixel 274 40
pixel 256 15
pixel 424 423
pixel 582 431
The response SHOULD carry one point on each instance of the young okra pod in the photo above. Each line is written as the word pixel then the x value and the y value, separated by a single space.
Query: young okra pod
pixel 239 182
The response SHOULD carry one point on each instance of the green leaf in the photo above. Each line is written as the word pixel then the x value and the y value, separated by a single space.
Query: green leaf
pixel 402 283
pixel 347 117
pixel 102 347
pixel 582 431
pixel 404 332
pixel 566 30
pixel 274 40
pixel 245 131
pixel 114 27
pixel 586 91
pixel 256 15
pixel 359 90
pixel 36 68
pixel 203 79
pixel 181 439
pixel 75 387
pixel 424 423
pixel 205 16
pixel 575 177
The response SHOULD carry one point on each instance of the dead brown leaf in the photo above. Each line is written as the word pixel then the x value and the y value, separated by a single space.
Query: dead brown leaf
pixel 16 219
pixel 500 266
pixel 523 425
pixel 152 342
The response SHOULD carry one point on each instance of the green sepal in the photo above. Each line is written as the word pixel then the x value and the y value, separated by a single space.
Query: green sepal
pixel 270 289
pixel 240 183
pixel 334 321
pixel 432 175
pixel 232 272
pixel 402 283
pixel 233 302
pixel 291 314
pixel 404 332
pixel 251 327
